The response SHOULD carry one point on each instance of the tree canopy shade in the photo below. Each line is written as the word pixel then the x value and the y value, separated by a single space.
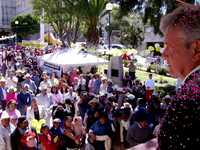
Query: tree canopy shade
pixel 130 26
pixel 25 25
pixel 60 14
pixel 152 10
pixel 66 17
pixel 91 11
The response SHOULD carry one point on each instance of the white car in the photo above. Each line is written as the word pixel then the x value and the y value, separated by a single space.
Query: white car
pixel 105 47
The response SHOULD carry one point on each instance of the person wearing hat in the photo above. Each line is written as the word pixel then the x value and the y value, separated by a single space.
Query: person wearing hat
pixel 20 76
pixel 56 132
pixel 44 98
pixel 2 92
pixel 103 86
pixel 30 82
pixel 90 117
pixel 5 132
pixel 18 133
pixel 11 94
pixel 12 81
pixel 24 99
pixel 45 81
pixel 12 111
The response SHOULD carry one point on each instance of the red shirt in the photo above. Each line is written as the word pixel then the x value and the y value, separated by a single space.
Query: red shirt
pixel 46 142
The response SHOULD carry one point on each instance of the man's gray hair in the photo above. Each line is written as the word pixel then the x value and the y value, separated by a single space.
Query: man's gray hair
pixel 187 18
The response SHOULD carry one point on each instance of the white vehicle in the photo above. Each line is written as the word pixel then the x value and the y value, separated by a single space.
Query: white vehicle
pixel 105 47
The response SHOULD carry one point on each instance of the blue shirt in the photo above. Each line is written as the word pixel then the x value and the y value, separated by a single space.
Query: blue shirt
pixel 24 99
pixel 97 85
pixel 102 129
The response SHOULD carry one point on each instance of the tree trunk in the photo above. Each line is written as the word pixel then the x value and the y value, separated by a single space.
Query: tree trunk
pixel 63 42
pixel 76 31
pixel 93 35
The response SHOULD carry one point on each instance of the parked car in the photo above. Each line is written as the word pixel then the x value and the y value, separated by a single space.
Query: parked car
pixel 105 47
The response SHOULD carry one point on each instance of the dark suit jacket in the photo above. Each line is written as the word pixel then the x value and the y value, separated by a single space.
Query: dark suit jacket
pixel 180 127
pixel 16 140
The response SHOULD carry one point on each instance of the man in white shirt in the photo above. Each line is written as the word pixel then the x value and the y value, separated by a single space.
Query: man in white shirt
pixel 149 86
pixel 44 98
pixel 5 132
pixel 71 95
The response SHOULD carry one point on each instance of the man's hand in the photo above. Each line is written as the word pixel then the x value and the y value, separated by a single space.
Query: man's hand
pixel 92 137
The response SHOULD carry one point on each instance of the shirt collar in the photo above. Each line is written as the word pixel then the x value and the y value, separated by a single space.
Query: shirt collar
pixel 194 70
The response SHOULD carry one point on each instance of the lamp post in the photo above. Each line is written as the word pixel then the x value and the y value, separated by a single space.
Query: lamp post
pixel 16 23
pixel 109 7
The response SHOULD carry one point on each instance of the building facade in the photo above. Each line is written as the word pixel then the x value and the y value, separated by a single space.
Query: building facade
pixel 12 8
pixel 24 7
pixel 7 11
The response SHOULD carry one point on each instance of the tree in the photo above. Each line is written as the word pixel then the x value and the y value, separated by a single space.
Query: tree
pixel 25 25
pixel 60 14
pixel 90 11
pixel 130 26
pixel 152 10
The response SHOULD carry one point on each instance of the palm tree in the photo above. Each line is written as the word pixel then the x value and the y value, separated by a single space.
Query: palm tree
pixel 90 11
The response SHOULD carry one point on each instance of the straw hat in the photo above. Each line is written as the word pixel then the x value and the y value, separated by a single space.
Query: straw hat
pixel 57 120
pixel 11 88
pixel 20 71
pixel 104 78
pixel 2 79
pixel 94 100
pixel 27 75
pixel 43 87
pixel 4 115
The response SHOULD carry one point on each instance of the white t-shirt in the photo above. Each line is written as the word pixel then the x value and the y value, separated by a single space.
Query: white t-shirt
pixel 44 100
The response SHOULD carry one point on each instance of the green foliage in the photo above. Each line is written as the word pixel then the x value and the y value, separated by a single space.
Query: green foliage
pixel 131 27
pixel 25 25
pixel 62 16
pixel 162 71
pixel 152 10
pixel 69 17
pixel 166 90
pixel 90 13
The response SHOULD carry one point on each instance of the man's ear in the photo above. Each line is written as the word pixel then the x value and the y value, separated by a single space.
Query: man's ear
pixel 196 50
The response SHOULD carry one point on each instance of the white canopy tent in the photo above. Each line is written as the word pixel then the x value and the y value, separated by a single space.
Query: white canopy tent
pixel 71 58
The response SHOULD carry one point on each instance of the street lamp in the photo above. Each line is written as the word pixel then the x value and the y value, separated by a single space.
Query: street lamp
pixel 16 23
pixel 109 7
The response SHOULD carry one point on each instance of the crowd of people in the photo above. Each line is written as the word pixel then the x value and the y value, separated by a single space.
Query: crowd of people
pixel 40 110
